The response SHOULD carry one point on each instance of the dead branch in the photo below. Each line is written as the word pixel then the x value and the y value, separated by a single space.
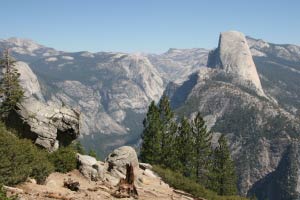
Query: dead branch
pixel 126 187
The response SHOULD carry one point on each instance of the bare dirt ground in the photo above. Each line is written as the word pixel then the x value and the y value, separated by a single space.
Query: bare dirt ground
pixel 148 187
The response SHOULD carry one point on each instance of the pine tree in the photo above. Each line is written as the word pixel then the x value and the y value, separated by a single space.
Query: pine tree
pixel 185 148
pixel 151 136
pixel 202 146
pixel 168 132
pixel 223 179
pixel 10 91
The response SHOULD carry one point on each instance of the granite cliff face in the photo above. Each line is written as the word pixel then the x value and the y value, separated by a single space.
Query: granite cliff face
pixel 177 64
pixel 278 66
pixel 111 86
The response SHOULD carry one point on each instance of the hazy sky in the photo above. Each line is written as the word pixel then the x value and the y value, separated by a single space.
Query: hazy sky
pixel 146 25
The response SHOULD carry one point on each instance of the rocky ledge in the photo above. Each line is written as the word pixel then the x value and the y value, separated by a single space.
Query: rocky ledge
pixel 100 180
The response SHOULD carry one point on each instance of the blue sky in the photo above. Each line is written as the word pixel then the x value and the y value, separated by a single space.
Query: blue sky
pixel 146 25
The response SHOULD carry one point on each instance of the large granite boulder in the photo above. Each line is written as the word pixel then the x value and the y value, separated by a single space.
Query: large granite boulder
pixel 120 157
pixel 49 126
pixel 114 167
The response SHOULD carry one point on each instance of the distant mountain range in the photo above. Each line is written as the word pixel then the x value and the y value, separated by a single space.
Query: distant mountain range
pixel 246 88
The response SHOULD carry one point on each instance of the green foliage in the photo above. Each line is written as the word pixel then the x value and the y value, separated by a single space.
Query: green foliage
pixel 152 135
pixel 202 148
pixel 10 88
pixel 20 159
pixel 168 133
pixel 181 182
pixel 64 159
pixel 42 167
pixel 185 148
pixel 223 178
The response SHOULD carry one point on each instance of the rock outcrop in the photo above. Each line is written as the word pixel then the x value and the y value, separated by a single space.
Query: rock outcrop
pixel 48 125
pixel 234 57
pixel 114 167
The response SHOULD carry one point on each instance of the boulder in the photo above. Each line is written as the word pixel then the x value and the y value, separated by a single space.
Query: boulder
pixel 114 167
pixel 116 163
pixel 119 158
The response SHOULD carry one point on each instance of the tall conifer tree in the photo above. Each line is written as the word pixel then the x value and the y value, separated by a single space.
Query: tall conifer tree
pixel 185 148
pixel 223 179
pixel 168 131
pixel 151 145
pixel 202 145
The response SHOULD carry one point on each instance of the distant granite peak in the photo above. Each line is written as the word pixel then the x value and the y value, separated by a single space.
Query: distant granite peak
pixel 234 57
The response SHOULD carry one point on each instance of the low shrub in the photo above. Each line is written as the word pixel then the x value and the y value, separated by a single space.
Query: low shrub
pixel 64 159
pixel 178 181
pixel 20 159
